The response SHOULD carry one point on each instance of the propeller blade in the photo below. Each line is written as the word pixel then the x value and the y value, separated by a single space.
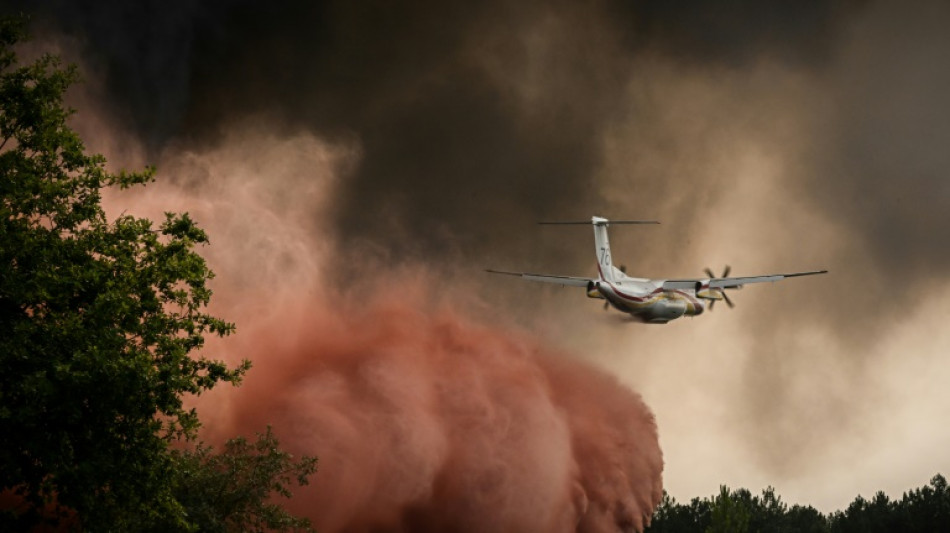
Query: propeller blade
pixel 606 306
pixel 728 301
pixel 623 268
pixel 721 291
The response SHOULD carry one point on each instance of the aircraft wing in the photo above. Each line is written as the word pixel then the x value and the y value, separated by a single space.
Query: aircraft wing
pixel 727 283
pixel 560 280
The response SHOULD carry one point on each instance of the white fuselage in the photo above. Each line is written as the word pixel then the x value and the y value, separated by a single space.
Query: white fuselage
pixel 645 299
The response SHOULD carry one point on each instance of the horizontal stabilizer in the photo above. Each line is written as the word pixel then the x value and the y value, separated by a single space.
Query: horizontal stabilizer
pixel 588 222
pixel 560 280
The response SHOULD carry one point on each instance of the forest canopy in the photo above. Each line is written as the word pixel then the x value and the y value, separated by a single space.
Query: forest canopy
pixel 926 509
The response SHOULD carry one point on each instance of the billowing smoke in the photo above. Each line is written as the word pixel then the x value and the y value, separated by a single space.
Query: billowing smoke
pixel 766 137
pixel 423 419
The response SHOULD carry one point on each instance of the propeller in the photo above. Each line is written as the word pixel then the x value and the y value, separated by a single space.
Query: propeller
pixel 725 274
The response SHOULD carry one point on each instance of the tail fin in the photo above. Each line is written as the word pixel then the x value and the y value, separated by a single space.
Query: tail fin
pixel 605 263
pixel 602 244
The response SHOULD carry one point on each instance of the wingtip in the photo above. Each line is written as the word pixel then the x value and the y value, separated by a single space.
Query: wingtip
pixel 505 272
pixel 811 273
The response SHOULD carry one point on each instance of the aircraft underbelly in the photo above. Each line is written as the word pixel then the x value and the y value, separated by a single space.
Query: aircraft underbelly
pixel 661 311
pixel 650 308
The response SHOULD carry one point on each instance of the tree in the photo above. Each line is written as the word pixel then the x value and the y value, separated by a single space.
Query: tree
pixel 731 511
pixel 921 510
pixel 99 319
pixel 805 519
pixel 927 508
pixel 671 517
pixel 862 515
pixel 230 491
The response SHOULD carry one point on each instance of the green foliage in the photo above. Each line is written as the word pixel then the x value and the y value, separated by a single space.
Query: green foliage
pixel 232 490
pixel 878 514
pixel 731 511
pixel 921 510
pixel 671 516
pixel 736 511
pixel 99 319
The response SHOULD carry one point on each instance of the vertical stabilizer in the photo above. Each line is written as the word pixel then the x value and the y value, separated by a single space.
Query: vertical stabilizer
pixel 602 246
pixel 605 264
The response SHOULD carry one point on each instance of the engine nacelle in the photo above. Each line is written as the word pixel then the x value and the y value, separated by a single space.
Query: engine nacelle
pixel 593 290
pixel 705 292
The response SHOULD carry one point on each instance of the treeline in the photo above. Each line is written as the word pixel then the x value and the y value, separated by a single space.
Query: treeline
pixel 926 509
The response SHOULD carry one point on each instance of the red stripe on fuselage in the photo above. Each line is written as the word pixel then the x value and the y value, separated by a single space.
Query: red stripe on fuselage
pixel 642 299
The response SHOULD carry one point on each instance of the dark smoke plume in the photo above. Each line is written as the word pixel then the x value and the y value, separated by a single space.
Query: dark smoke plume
pixel 472 117
pixel 763 136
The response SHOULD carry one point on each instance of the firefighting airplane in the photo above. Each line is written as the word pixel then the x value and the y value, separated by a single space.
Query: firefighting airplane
pixel 654 301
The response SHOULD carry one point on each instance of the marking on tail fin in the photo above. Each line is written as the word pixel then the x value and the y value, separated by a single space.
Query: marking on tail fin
pixel 601 242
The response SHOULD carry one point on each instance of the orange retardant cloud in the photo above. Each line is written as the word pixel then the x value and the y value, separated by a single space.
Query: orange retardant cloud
pixel 425 421
pixel 422 418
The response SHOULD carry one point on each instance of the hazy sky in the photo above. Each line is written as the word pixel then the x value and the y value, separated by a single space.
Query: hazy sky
pixel 773 139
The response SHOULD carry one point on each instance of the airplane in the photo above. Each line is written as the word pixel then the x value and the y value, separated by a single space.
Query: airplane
pixel 653 301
